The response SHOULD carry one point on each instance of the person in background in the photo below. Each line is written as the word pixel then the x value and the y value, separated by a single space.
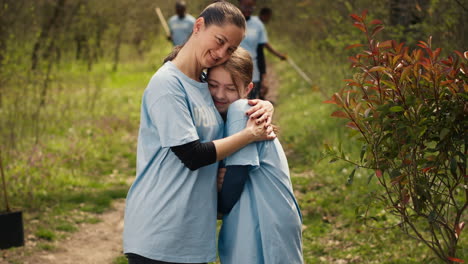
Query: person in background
pixel 262 221
pixel 265 15
pixel 256 36
pixel 171 207
pixel 180 24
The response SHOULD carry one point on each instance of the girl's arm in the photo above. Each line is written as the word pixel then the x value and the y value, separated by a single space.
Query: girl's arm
pixel 232 187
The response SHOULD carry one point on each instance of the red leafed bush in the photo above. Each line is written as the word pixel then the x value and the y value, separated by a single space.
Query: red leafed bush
pixel 409 109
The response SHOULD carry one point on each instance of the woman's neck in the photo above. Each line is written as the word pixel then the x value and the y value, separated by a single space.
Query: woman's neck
pixel 187 63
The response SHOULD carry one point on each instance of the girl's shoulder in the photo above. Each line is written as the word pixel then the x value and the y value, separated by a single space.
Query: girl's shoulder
pixel 237 109
pixel 240 105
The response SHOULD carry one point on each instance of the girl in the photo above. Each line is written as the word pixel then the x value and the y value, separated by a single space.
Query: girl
pixel 170 214
pixel 264 224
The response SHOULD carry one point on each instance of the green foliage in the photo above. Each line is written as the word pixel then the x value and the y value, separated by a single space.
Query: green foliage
pixel 46 234
pixel 120 260
pixel 67 227
pixel 46 246
pixel 408 108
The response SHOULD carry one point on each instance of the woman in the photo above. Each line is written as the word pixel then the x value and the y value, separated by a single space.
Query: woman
pixel 264 224
pixel 170 214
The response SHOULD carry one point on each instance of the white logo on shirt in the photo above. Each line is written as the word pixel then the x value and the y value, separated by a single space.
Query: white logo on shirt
pixel 204 116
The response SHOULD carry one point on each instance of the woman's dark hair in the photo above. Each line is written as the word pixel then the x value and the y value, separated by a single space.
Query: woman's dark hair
pixel 219 14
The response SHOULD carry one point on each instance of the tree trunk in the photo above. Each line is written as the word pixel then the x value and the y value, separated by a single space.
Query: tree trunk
pixel 117 49
pixel 3 45
pixel 45 32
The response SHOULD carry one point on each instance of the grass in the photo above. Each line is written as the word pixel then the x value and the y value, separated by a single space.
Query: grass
pixel 46 234
pixel 120 260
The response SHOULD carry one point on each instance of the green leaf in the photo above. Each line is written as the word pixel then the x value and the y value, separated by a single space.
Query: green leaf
pixel 351 177
pixel 363 151
pixel 396 108
pixel 444 133
pixel 453 167
pixel 394 174
pixel 370 178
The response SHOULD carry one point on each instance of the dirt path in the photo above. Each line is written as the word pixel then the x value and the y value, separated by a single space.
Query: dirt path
pixel 98 243
pixel 273 83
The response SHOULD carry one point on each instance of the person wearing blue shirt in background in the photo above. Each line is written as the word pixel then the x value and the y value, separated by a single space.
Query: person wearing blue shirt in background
pixel 180 24
pixel 262 221
pixel 171 207
pixel 256 37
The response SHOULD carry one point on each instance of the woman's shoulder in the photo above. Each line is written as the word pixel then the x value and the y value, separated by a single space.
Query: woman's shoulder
pixel 165 80
pixel 166 72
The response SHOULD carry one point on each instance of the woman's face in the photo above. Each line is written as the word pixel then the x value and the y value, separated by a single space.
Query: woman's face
pixel 223 90
pixel 217 43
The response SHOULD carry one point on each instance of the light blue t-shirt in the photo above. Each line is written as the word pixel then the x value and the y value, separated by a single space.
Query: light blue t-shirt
pixel 264 226
pixel 255 35
pixel 181 28
pixel 170 212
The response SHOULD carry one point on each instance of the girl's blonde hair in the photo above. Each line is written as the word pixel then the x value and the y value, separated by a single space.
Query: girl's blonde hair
pixel 240 67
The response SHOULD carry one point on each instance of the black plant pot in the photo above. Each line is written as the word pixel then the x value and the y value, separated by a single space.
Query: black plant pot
pixel 11 229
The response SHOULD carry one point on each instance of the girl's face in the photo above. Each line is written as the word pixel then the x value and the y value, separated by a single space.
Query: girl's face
pixel 223 90
pixel 217 43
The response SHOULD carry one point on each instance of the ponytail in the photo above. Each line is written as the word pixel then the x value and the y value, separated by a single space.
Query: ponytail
pixel 173 53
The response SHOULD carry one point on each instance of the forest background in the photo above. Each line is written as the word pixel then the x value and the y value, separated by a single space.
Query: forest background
pixel 71 78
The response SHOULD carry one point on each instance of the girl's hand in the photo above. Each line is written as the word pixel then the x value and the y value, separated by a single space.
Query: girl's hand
pixel 260 131
pixel 220 178
pixel 261 111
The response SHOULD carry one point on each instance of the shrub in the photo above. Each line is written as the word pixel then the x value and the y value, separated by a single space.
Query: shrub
pixel 409 108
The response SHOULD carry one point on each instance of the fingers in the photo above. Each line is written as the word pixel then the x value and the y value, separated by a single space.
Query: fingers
pixel 264 119
pixel 259 113
pixel 271 136
pixel 253 101
pixel 220 178
pixel 254 108
pixel 270 133
pixel 268 121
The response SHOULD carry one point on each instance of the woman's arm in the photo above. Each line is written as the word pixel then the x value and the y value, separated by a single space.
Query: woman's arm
pixel 195 154
pixel 251 133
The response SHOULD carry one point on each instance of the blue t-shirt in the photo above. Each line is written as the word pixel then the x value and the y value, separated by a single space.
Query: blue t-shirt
pixel 264 226
pixel 181 28
pixel 255 35
pixel 170 212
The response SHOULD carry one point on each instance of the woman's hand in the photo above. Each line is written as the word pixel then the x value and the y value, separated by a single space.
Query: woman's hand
pixel 220 178
pixel 261 111
pixel 259 131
